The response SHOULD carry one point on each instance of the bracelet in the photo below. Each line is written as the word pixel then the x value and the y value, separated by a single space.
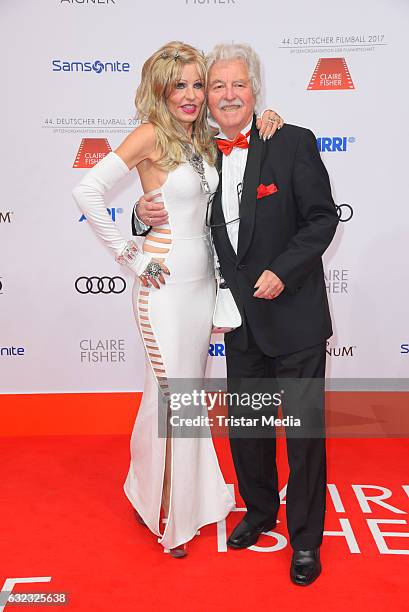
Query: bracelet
pixel 128 254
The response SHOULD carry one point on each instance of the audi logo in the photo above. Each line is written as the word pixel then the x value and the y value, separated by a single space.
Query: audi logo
pixel 103 284
pixel 344 212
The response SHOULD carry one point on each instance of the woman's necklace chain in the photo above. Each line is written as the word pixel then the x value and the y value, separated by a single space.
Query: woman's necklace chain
pixel 196 161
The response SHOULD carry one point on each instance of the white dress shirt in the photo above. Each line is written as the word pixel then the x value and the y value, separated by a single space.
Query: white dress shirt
pixel 233 167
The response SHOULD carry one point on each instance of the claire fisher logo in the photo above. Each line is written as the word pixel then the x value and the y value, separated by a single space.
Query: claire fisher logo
pixel 110 350
pixel 331 73
pixel 336 280
pixel 210 2
pixel 97 66
pixel 91 151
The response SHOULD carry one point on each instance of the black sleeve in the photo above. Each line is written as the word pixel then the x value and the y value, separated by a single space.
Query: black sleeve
pixel 317 213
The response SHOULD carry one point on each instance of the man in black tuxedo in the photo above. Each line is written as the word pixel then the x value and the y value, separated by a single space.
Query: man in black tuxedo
pixel 271 259
pixel 272 218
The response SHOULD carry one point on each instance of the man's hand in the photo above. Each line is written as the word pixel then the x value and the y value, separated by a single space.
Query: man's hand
pixel 269 286
pixel 268 124
pixel 152 212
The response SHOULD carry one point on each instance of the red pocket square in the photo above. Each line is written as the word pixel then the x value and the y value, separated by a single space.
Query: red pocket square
pixel 265 190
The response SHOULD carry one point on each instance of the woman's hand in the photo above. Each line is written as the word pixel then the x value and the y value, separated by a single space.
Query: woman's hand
pixel 268 124
pixel 147 280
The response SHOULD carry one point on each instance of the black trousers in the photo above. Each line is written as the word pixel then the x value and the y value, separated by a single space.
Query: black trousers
pixel 255 457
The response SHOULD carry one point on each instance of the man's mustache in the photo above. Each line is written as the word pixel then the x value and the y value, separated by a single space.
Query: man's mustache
pixel 235 102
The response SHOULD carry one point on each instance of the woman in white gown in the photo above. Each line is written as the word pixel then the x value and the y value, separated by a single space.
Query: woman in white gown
pixel 181 475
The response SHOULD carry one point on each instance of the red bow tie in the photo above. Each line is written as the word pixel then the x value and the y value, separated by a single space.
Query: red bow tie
pixel 227 146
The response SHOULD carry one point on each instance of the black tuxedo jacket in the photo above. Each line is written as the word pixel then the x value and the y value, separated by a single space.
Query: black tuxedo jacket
pixel 285 232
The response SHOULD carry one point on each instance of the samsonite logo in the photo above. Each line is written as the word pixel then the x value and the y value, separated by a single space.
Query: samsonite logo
pixel 97 66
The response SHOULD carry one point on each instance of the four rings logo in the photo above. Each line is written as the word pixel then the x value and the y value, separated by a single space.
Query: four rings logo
pixel 103 284
pixel 345 212
pixel 97 66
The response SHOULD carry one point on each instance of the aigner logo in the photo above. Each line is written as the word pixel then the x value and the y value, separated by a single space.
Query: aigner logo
pixel 96 2
pixel 103 284
pixel 344 212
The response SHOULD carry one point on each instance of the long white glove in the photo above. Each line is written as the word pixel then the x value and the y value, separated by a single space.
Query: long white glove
pixel 89 195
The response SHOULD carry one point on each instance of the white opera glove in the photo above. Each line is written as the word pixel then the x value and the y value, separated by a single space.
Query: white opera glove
pixel 89 195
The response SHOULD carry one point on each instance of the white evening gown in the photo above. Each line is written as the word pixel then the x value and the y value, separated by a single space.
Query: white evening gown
pixel 175 323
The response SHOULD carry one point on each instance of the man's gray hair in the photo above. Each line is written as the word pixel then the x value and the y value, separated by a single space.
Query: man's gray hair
pixel 239 51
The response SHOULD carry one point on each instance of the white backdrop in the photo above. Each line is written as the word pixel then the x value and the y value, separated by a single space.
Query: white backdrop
pixel 70 70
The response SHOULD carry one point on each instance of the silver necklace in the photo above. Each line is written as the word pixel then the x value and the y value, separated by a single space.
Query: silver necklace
pixel 196 161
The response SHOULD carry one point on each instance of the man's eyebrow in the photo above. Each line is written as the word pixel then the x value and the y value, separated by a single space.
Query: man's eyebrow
pixel 216 81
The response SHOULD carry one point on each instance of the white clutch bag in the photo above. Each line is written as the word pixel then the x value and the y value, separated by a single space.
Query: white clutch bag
pixel 226 315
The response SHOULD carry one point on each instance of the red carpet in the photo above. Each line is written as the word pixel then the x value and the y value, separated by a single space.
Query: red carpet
pixel 64 516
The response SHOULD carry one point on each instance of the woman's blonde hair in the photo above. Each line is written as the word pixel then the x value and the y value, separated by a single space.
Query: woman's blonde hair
pixel 160 74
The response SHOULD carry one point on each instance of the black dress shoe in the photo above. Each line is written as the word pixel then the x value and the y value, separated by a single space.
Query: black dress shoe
pixel 305 566
pixel 245 535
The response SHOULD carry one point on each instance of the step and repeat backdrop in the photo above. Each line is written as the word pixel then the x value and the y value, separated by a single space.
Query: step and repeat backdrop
pixel 70 69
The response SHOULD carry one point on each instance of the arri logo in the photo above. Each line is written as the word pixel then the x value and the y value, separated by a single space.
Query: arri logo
pixel 331 144
pixel 404 349
pixel 331 73
pixel 91 151
pixel 98 67
pixel 216 350
pixel 112 211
